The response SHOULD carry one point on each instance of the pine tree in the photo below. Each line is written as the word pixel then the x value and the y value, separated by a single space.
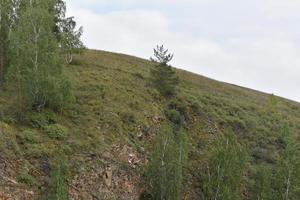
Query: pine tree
pixel 37 66
pixel 287 178
pixel 165 173
pixel 163 77
pixel 225 169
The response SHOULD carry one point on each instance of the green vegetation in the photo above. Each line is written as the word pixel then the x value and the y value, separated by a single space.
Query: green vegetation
pixel 58 183
pixel 37 67
pixel 6 23
pixel 225 169
pixel 195 138
pixel 163 76
pixel 56 131
pixel 111 105
pixel 287 178
pixel 263 183
pixel 165 173
pixel 112 102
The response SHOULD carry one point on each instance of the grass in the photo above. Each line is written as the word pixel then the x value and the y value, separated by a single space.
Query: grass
pixel 113 101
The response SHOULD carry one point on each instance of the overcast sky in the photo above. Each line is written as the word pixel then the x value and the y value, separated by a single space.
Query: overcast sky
pixel 252 43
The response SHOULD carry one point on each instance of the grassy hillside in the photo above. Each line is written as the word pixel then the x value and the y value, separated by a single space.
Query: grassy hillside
pixel 100 144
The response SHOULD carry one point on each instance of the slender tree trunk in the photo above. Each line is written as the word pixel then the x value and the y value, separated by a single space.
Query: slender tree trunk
pixel 288 184
pixel 1 66
pixel 218 187
pixel 163 167
pixel 1 45
pixel 69 58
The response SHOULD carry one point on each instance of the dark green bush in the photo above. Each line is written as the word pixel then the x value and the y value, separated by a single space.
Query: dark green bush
pixel 58 186
pixel 56 131
pixel 139 75
pixel 127 117
pixel 174 116
pixel 41 119
pixel 26 178
pixel 37 120
pixel 76 61
pixel 196 108
pixel 180 106
pixel 28 136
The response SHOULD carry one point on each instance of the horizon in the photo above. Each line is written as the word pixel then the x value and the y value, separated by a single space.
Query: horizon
pixel 251 44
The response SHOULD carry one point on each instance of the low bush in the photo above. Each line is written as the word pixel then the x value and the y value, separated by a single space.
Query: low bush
pixel 180 106
pixel 56 131
pixel 41 119
pixel 127 117
pixel 28 136
pixel 196 108
pixel 26 178
pixel 58 186
pixel 174 116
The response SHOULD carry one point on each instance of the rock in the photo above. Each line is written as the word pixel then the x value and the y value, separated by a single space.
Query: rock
pixel 107 176
pixel 4 196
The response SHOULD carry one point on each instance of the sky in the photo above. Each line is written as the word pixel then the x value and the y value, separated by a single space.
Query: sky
pixel 253 43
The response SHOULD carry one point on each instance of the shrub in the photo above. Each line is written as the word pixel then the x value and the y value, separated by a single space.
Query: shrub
pixel 39 150
pixel 139 75
pixel 56 131
pixel 26 178
pixel 41 119
pixel 28 136
pixel 37 120
pixel 174 116
pixel 58 187
pixel 196 108
pixel 180 106
pixel 127 117
pixel 155 94
pixel 76 61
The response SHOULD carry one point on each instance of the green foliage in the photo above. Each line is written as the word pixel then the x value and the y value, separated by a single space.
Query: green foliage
pixel 7 16
pixel 165 172
pixel 161 55
pixel 56 131
pixel 127 117
pixel 96 125
pixel 37 67
pixel 66 33
pixel 28 136
pixel 263 183
pixel 225 169
pixel 41 119
pixel 58 184
pixel 25 177
pixel 174 116
pixel 196 108
pixel 163 77
pixel 180 106
pixel 287 179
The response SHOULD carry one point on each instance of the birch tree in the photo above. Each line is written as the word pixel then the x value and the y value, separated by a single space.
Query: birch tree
pixel 288 170
pixel 165 172
pixel 263 184
pixel 6 22
pixel 37 66
pixel 225 169
pixel 67 34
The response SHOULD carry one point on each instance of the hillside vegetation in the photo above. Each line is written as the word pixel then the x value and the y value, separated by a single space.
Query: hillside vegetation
pixel 98 147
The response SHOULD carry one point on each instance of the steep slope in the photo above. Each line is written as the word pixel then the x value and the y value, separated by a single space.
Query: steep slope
pixel 104 137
